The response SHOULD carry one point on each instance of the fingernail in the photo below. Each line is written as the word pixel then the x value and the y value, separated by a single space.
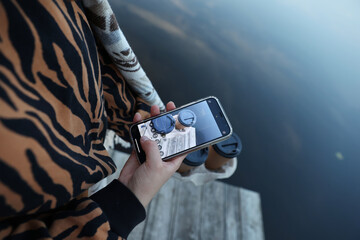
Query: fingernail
pixel 144 139
pixel 138 114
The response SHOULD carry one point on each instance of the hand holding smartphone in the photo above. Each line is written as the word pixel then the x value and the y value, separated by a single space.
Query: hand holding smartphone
pixel 185 129
pixel 145 180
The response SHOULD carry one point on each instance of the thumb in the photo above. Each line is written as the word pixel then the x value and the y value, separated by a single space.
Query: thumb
pixel 151 150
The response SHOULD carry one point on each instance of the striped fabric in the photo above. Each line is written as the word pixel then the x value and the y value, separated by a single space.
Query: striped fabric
pixel 59 92
pixel 106 28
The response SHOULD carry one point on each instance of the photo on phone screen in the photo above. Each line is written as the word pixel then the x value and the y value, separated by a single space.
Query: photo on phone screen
pixel 186 128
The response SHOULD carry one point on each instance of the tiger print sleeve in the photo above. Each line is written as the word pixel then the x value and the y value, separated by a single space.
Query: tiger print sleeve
pixel 120 102
pixel 52 127
pixel 106 216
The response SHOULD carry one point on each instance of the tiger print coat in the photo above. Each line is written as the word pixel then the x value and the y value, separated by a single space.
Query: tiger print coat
pixel 59 93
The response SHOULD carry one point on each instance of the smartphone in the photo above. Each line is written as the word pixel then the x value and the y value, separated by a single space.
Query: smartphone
pixel 183 130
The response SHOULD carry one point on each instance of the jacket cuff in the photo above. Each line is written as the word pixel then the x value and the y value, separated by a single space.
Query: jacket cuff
pixel 122 208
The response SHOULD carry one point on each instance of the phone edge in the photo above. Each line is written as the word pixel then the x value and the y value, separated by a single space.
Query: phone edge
pixel 196 148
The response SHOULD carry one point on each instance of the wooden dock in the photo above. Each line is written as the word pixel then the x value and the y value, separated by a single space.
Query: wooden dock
pixel 183 211
pixel 215 210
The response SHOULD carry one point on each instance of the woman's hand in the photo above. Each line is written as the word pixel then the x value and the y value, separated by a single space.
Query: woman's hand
pixel 145 180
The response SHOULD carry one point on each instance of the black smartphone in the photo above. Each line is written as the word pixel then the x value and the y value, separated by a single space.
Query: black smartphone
pixel 185 129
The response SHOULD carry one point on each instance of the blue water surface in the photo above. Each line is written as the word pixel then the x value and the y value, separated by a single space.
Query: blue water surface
pixel 288 76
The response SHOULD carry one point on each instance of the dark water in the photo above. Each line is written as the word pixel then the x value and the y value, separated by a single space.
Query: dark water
pixel 288 75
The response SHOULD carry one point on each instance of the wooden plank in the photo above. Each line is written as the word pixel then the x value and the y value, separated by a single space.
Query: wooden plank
pixel 138 232
pixel 160 213
pixel 212 212
pixel 251 218
pixel 187 219
pixel 232 213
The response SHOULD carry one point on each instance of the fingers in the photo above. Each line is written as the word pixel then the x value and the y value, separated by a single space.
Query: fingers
pixel 151 150
pixel 174 163
pixel 150 147
pixel 170 106
pixel 137 117
pixel 154 110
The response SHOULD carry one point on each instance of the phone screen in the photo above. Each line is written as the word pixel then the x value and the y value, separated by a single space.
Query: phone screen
pixel 186 128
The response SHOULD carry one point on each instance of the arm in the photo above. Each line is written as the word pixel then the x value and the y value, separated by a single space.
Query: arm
pixel 120 101
pixel 51 126
pixel 80 218
pixel 107 30
pixel 113 211
pixel 121 207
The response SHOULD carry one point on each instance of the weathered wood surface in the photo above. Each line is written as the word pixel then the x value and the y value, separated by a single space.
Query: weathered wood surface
pixel 182 210
pixel 213 211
